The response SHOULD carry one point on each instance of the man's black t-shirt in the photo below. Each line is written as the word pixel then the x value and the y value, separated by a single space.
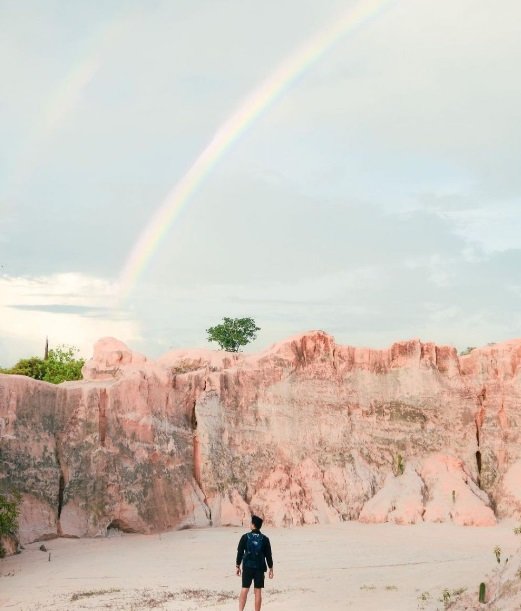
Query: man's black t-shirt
pixel 266 548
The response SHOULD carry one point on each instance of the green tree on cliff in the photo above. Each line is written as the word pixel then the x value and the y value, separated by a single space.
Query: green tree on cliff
pixel 59 366
pixel 233 333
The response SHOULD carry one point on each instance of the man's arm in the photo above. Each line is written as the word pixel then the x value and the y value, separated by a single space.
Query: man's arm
pixel 267 554
pixel 240 551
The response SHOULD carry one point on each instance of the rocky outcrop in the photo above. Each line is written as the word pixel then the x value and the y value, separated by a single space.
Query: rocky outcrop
pixel 436 489
pixel 92 455
pixel 307 431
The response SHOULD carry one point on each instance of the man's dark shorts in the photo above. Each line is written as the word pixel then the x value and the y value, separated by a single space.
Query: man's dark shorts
pixel 255 575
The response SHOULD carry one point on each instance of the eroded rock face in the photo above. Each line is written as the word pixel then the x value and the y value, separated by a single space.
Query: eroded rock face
pixel 401 500
pixel 308 431
pixel 436 488
pixel 111 452
pixel 305 432
pixel 28 462
pixel 126 452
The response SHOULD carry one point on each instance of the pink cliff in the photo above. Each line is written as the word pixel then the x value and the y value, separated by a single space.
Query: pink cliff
pixel 305 432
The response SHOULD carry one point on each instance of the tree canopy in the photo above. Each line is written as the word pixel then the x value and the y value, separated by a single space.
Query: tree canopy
pixel 60 366
pixel 233 333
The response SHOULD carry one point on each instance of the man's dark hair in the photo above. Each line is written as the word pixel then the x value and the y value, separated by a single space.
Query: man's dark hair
pixel 257 522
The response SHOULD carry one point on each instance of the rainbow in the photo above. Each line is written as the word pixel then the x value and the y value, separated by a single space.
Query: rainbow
pixel 254 104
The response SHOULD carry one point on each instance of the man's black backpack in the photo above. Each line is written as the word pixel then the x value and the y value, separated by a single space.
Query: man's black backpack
pixel 254 553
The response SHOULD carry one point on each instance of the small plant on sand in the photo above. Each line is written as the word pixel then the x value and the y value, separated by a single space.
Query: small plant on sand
pixel 445 598
pixel 482 592
pixel 202 595
pixel 423 600
pixel 453 496
pixel 448 597
pixel 88 593
pixel 398 465
pixel 517 530
pixel 497 553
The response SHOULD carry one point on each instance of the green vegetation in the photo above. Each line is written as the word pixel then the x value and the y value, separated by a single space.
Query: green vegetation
pixel 482 592
pixel 467 350
pixel 9 510
pixel 233 333
pixel 87 594
pixel 449 597
pixel 32 367
pixel 497 553
pixel 445 598
pixel 60 366
pixel 398 465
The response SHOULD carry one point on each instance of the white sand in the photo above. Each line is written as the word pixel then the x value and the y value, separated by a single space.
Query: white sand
pixel 347 566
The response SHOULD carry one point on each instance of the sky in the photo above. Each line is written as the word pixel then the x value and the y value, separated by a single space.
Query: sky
pixel 377 198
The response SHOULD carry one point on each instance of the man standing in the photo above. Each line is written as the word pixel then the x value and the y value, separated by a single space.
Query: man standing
pixel 254 551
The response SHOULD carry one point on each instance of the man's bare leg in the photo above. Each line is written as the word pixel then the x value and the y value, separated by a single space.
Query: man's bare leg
pixel 258 598
pixel 242 598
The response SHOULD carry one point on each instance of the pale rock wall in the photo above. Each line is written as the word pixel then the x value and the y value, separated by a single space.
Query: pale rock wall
pixel 400 500
pixel 308 431
pixel 304 432
pixel 126 450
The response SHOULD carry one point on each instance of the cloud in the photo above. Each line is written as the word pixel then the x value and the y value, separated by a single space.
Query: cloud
pixel 56 308
pixel 80 318
pixel 399 276
pixel 378 198
pixel 495 228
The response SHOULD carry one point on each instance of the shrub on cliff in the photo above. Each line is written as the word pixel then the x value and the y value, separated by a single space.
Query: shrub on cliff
pixel 33 367
pixel 9 509
pixel 59 366
pixel 233 333
pixel 467 350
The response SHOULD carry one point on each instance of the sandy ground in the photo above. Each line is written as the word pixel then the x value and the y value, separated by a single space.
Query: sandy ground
pixel 380 567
